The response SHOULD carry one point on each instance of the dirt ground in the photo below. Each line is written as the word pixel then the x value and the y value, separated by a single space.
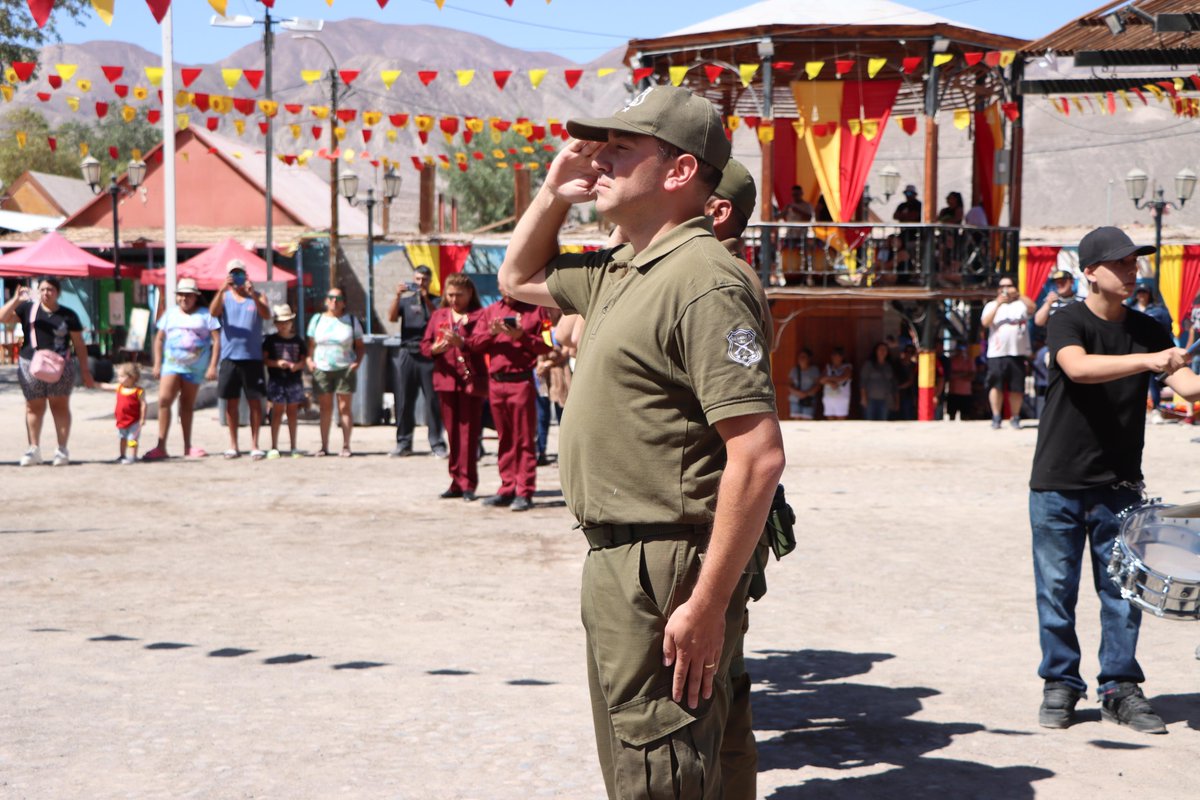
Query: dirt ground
pixel 319 628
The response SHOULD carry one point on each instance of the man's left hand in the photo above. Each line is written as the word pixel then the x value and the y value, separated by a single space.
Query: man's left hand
pixel 692 643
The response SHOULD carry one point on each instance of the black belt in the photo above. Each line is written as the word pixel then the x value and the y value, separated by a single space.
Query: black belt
pixel 601 536
pixel 511 377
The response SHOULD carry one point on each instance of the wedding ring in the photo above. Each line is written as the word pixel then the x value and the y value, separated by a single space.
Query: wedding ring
pixel 710 666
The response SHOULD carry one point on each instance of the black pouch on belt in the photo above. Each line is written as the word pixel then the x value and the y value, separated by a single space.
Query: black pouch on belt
pixel 779 532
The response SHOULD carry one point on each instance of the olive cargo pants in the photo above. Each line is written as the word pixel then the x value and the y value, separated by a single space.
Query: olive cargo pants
pixel 650 746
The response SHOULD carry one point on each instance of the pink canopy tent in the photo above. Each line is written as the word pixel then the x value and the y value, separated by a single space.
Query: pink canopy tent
pixel 54 255
pixel 209 268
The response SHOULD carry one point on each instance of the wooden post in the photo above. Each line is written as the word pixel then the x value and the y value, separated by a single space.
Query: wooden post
pixel 1017 167
pixel 441 213
pixel 521 192
pixel 931 165
pixel 454 214
pixel 333 184
pixel 428 189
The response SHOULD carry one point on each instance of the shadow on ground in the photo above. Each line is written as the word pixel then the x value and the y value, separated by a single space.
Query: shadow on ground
pixel 830 723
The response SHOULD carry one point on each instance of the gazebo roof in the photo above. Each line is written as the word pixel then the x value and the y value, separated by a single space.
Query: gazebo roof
pixel 800 31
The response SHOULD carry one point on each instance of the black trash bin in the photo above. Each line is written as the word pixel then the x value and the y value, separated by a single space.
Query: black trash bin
pixel 367 404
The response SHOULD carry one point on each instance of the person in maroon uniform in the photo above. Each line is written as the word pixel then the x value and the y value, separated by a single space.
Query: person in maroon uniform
pixel 459 379
pixel 510 333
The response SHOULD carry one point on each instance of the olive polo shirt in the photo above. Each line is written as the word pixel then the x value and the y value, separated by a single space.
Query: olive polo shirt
pixel 673 344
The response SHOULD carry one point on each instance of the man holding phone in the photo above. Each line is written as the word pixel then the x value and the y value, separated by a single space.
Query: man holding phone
pixel 241 311
pixel 510 333
pixel 412 307
pixel 1007 320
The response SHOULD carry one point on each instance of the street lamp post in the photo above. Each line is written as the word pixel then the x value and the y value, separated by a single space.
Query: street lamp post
pixel 268 22
pixel 91 174
pixel 1135 185
pixel 333 176
pixel 348 185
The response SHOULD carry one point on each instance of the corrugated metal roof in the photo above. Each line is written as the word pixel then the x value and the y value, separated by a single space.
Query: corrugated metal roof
pixel 27 223
pixel 1091 32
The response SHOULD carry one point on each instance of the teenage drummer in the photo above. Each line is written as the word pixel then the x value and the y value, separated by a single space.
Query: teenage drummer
pixel 1087 468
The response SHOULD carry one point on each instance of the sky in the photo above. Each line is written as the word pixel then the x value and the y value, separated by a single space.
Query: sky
pixel 574 29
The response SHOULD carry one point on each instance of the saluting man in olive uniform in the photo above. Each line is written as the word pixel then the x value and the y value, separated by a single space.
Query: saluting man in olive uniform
pixel 672 399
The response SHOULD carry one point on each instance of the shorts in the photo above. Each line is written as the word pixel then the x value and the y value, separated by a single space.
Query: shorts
pixel 335 381
pixel 1007 373
pixel 235 378
pixel 193 373
pixel 801 409
pixel 129 435
pixel 286 392
pixel 40 390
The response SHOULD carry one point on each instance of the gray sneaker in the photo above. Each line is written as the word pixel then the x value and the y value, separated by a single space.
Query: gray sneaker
pixel 1058 705
pixel 1125 704
pixel 31 457
pixel 61 457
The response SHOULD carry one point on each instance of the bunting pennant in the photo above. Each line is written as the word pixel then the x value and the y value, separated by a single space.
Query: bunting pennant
pixel 962 118
pixel 253 77
pixel 65 71
pixel 398 120
pixel 1007 57
pixel 389 76
pixel 128 113
pixel 972 58
pixel 427 76
pixel 339 133
pixel 73 103
pixel 140 93
pixel 269 108
pixel 316 132
pixel 464 76
pixel 572 76
pixel 55 81
pixel 104 10
pixel 154 75
pixel 23 70
pixel 536 76
pixel 677 73
pixel 320 112
pixel 295 129
pixel 231 77
pixel 113 153
pixel 910 64
pixel 218 6
pixel 992 58
pixel 713 72
pixel 189 75
pixel 348 75
pixel 371 118
pixel 239 125
pixel 908 125
pixel 842 66
pixel 1011 111
pixel 153 116
pixel 43 96
pixel 101 110
pixel 501 77
pixel 159 9
pixel 942 58
pixel 746 72
pixel 212 122
pixel 603 71
pixel 813 68
pixel 182 121
pixel 642 73
pixel 41 13
pixel 52 143
pixel 310 75
pixel 121 90
pixel 874 65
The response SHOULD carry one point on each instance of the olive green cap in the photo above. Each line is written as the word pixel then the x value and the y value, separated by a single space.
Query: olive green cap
pixel 669 113
pixel 737 186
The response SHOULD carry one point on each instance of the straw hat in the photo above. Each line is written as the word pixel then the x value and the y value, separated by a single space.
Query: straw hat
pixel 283 312
pixel 186 286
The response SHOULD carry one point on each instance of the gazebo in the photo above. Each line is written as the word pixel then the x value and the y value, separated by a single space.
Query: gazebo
pixel 54 255
pixel 820 84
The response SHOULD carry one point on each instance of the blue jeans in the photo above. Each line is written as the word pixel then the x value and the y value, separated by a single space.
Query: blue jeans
pixel 1064 525
pixel 876 410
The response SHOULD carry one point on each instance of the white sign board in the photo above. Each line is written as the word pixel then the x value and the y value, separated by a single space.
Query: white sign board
pixel 116 309
pixel 139 328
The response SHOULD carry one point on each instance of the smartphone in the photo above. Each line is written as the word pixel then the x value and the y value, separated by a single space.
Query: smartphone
pixel 412 287
pixel 239 278
pixel 510 322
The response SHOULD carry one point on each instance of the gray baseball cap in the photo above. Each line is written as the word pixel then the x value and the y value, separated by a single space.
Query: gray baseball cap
pixel 669 113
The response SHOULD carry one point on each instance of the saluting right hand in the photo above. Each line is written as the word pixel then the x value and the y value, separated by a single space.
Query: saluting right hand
pixel 571 176
pixel 23 294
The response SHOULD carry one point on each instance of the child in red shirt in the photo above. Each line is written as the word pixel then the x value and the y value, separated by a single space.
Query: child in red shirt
pixel 130 411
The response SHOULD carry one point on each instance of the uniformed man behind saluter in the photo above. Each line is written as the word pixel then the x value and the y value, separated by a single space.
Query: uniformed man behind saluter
pixel 671 400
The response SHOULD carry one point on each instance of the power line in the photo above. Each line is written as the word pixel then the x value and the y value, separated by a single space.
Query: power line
pixel 532 24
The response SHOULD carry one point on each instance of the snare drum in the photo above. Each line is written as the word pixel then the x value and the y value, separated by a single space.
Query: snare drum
pixel 1156 561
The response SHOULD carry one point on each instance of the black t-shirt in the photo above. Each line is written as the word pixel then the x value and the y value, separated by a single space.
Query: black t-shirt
pixel 1092 434
pixel 277 348
pixel 53 329
pixel 414 316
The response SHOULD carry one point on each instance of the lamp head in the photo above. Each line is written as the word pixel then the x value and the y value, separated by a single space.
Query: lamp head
pixel 1135 183
pixel 348 185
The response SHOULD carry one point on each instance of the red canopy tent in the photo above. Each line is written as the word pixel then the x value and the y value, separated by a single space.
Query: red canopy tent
pixel 209 268
pixel 54 255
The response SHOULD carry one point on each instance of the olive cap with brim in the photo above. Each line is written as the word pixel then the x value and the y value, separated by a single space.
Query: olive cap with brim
pixel 737 186
pixel 669 113
pixel 1109 244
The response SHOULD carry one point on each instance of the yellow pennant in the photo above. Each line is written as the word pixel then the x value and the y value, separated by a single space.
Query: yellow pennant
pixel 389 77
pixel 135 154
pixel 392 136
pixel 855 126
pixel 527 150
pixel 813 68
pixel 766 131
pixel 183 98
pixel 494 133
pixel 10 75
pixel 1078 104
pixel 218 6
pixel 1007 57
pixel 371 118
pixel 7 91
pixel 295 129
pixel 128 113
pixel 440 3
pixel 746 71
pixel 678 73
pixel 140 93
pixel 600 73
pixel 733 122
pixel 66 71
pixel 239 125
pixel 310 75
pixel 303 158
pixel 962 118
pixel 501 165
pixel 349 155
pixel 231 77
pixel 523 128
pixel 73 103
pixel 424 122
pixel 1157 92
pixel 942 58
pixel 536 75
pixel 1178 83
pixel 465 76
pixel 461 158
pixel 154 75
pixel 104 10
pixel 1103 101
pixel 184 155
pixel 220 104
pixel 269 108
pixel 237 154
pixel 21 139
pixel 474 124
pixel 320 112
pixel 83 149
pixel 339 132
pixel 870 129
pixel 874 65
pixel 498 154
pixel 1125 96
pixel 84 85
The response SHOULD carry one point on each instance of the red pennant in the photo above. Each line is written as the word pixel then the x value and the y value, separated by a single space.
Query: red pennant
pixel 501 77
pixel 316 132
pixel 113 73
pixel 752 122
pixel 908 125
pixel 212 151
pixel 417 163
pixel 512 151
pixel 383 3
pixel 910 64
pixel 712 72
pixel 212 122
pixel 262 126
pixel 556 128
pixel 427 76
pixel 843 65
pixel 641 73
pixel 502 125
pixel 1112 102
pixel 159 8
pixel 153 116
pixel 445 159
pixel 1170 87
pixel 366 133
pixel 784 66
pixel 293 108
pixel 253 76
pixel 201 102
pixel 269 3
pixel 348 75
pixel 1011 111
pixel 346 114
pixel 572 76
pixel 159 93
pixel 244 105
pixel 375 163
pixel 121 90
pixel 462 167
pixel 538 134
pixel 44 97
pixel 24 69
pixel 50 140
pixel 992 59
pixel 41 11
pixel 1066 105
pixel 1141 96
pixel 519 165
pixel 189 75
pixel 1196 81
pixel 398 120
pixel 448 125
pixel 423 136
pixel 55 81
pixel 101 110
pixel 288 159
pixel 972 58
pixel 113 153
pixel 822 128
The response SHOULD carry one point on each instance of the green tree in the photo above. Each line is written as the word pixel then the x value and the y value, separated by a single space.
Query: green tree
pixel 21 38
pixel 37 156
pixel 485 191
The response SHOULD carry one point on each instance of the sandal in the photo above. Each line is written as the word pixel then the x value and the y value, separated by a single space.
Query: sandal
pixel 346 452
pixel 321 453
pixel 196 452
pixel 232 454
pixel 156 454
pixel 257 455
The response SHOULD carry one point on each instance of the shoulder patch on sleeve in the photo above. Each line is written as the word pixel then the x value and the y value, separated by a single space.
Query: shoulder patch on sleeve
pixel 744 347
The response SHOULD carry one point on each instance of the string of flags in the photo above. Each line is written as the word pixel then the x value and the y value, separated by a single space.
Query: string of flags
pixel 1164 91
